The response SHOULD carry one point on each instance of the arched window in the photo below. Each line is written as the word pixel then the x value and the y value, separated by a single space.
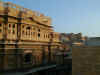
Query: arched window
pixel 9 25
pixel 28 57
pixel 39 35
pixel 13 25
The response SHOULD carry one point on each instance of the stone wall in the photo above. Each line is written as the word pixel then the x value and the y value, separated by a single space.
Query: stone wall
pixel 15 57
pixel 86 60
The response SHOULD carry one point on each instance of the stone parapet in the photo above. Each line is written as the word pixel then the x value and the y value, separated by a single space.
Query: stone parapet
pixel 20 12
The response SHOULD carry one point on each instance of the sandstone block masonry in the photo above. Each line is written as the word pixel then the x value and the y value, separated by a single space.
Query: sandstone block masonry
pixel 24 34
pixel 86 60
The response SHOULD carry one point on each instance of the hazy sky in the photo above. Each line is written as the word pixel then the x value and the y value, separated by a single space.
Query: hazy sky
pixel 68 15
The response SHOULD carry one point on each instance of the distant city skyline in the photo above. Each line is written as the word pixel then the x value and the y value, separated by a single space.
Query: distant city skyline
pixel 69 16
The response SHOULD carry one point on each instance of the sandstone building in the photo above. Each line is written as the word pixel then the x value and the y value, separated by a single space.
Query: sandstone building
pixel 93 41
pixel 25 34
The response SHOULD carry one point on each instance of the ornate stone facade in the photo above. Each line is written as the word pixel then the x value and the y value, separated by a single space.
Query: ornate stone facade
pixel 25 34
